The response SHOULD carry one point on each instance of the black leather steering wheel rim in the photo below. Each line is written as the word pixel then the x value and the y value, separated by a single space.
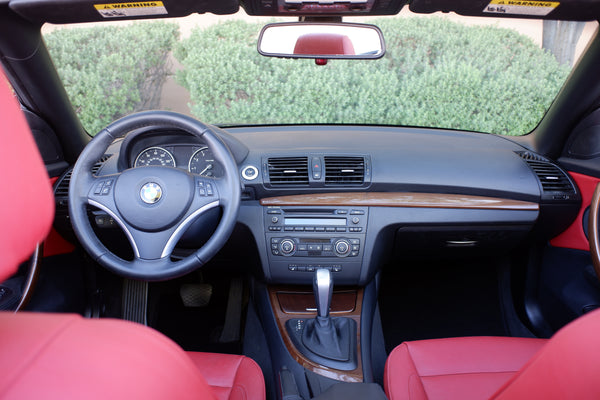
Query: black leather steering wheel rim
pixel 147 265
pixel 593 226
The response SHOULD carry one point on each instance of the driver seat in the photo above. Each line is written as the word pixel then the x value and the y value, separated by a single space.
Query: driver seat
pixel 56 356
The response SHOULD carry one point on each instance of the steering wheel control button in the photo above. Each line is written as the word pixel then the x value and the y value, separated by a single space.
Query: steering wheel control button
pixel 151 193
pixel 103 188
pixel 206 189
pixel 250 172
pixel 201 189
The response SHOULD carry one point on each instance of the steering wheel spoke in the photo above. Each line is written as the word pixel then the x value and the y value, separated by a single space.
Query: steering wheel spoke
pixel 151 246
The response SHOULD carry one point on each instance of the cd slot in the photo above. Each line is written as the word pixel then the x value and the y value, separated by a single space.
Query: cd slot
pixel 313 211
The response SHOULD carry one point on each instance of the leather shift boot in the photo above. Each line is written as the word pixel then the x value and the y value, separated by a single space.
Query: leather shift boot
pixel 328 337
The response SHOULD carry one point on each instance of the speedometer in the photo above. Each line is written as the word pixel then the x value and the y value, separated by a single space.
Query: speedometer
pixel 203 163
pixel 155 156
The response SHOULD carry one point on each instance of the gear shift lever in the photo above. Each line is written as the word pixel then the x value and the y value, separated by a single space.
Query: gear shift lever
pixel 328 341
pixel 323 290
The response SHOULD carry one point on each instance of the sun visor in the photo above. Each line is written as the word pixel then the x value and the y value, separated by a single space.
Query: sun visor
pixel 575 10
pixel 71 11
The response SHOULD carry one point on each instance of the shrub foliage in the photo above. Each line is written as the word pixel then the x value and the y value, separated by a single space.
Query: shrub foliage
pixel 112 71
pixel 436 73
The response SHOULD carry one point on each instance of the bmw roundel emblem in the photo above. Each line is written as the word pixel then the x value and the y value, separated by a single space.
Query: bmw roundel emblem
pixel 151 193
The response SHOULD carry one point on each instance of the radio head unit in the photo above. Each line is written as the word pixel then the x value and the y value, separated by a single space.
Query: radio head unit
pixel 301 240
pixel 316 219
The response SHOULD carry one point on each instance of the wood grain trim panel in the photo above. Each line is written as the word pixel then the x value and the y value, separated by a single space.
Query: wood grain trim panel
pixel 282 317
pixel 401 199
pixel 304 303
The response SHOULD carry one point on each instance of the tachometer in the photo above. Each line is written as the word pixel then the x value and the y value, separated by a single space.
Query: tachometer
pixel 203 163
pixel 155 156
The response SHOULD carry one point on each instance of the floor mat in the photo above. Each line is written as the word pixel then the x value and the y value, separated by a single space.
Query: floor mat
pixel 193 328
pixel 442 298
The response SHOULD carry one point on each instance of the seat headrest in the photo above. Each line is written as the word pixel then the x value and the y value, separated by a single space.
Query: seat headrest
pixel 324 43
pixel 26 203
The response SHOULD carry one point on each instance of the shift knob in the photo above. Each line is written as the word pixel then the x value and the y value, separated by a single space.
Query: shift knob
pixel 323 288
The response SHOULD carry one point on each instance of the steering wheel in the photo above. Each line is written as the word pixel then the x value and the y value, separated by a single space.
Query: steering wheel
pixel 594 235
pixel 153 205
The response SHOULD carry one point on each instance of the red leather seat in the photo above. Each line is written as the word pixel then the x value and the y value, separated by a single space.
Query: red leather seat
pixel 55 356
pixel 229 376
pixel 564 367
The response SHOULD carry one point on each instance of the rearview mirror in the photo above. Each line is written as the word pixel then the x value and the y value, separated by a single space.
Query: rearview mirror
pixel 321 40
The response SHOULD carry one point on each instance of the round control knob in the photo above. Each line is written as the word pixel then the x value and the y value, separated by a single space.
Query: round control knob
pixel 342 247
pixel 287 247
pixel 355 220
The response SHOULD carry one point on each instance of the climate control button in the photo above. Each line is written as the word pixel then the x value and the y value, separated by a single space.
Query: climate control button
pixel 342 247
pixel 287 247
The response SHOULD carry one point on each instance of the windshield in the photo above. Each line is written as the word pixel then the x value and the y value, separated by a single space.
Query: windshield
pixel 441 71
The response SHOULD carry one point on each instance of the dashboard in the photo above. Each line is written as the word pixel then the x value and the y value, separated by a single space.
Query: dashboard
pixel 347 197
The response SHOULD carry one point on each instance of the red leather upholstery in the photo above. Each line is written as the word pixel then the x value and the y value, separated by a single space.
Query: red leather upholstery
pixel 26 204
pixel 564 367
pixel 324 43
pixel 230 376
pixel 568 367
pixel 455 368
pixel 69 357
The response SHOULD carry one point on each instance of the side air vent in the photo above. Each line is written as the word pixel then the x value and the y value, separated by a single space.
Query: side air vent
pixel 288 171
pixel 556 184
pixel 62 189
pixel 529 156
pixel 344 170
pixel 98 165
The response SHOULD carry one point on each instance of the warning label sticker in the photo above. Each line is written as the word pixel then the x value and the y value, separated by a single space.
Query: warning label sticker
pixel 538 8
pixel 115 10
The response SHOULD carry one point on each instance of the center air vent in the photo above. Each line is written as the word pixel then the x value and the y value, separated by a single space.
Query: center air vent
pixel 556 184
pixel 288 171
pixel 344 170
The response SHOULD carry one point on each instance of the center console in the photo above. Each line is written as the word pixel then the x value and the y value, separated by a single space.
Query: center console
pixel 301 240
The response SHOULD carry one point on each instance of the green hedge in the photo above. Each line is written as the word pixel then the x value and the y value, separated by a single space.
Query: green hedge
pixel 436 73
pixel 112 71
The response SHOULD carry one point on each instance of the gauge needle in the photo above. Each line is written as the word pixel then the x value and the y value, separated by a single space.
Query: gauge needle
pixel 209 166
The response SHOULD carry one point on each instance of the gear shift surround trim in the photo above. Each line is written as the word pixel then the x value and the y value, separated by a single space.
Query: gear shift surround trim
pixel 328 341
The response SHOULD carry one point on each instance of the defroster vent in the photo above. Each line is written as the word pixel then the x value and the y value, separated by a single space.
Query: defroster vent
pixel 344 170
pixel 288 171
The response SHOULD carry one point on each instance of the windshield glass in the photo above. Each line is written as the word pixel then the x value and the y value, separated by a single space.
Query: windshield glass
pixel 442 71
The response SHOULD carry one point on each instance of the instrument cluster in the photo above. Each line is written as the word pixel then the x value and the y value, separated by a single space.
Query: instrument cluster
pixel 196 159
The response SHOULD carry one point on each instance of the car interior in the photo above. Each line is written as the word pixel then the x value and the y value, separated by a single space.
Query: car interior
pixel 171 255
